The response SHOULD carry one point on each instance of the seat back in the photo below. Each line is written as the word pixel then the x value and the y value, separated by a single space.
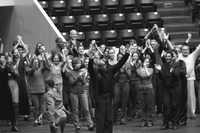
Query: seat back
pixel 85 22
pixel 110 37
pixel 110 6
pixel 135 20
pixel 76 7
pixel 152 18
pixel 128 6
pixel 102 22
pixel 93 35
pixel 68 23
pixel 93 6
pixel 118 21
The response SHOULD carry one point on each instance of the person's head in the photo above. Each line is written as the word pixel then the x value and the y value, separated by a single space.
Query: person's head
pixel 86 61
pixel 134 47
pixel 76 63
pixel 119 56
pixel 59 42
pixel 135 56
pixel 38 49
pixel 122 49
pixel 56 58
pixel 177 48
pixel 101 65
pixel 2 58
pixel 66 51
pixel 103 47
pixel 96 55
pixel 20 49
pixel 185 50
pixel 146 62
pixel 15 53
pixel 49 84
pixel 35 62
pixel 132 41
pixel 111 54
pixel 154 44
pixel 81 50
pixel 169 56
pixel 175 54
pixel 73 34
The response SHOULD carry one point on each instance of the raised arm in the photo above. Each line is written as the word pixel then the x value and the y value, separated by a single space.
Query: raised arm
pixel 91 67
pixel 196 53
pixel 119 64
pixel 1 46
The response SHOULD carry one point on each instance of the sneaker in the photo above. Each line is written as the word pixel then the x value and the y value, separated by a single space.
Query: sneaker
pixel 90 127
pixel 78 130
pixel 149 124
pixel 143 124
pixel 26 117
pixel 165 126
pixel 15 129
pixel 35 123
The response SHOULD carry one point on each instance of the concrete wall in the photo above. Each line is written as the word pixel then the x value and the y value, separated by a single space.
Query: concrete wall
pixel 7 3
pixel 29 20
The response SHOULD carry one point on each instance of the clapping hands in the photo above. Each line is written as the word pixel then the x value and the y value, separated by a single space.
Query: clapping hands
pixel 157 66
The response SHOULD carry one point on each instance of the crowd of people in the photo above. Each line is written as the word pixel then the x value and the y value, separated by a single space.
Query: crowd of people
pixel 105 85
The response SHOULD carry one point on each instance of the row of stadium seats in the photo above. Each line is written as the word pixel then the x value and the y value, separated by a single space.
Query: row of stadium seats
pixel 110 37
pixel 83 7
pixel 108 21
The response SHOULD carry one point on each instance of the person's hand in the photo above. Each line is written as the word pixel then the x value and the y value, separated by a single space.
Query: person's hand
pixel 157 66
pixel 165 36
pixel 19 37
pixel 171 70
pixel 189 35
pixel 64 51
pixel 53 125
pixel 147 43
pixel 155 26
pixel 93 42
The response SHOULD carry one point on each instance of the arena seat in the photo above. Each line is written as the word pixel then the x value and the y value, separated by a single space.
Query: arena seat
pixel 125 36
pixel 93 35
pixel 110 37
pixel 45 6
pixel 93 7
pixel 128 6
pixel 65 35
pixel 140 34
pixel 81 37
pixel 135 20
pixel 152 18
pixel 85 23
pixel 54 19
pixel 68 23
pixel 76 7
pixel 118 21
pixel 145 6
pixel 58 8
pixel 110 6
pixel 102 22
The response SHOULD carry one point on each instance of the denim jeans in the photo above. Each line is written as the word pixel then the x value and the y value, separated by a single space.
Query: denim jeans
pixel 75 98
pixel 134 106
pixel 121 94
pixel 147 104
pixel 37 100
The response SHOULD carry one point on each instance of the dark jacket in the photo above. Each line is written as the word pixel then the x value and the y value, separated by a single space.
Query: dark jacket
pixel 94 73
